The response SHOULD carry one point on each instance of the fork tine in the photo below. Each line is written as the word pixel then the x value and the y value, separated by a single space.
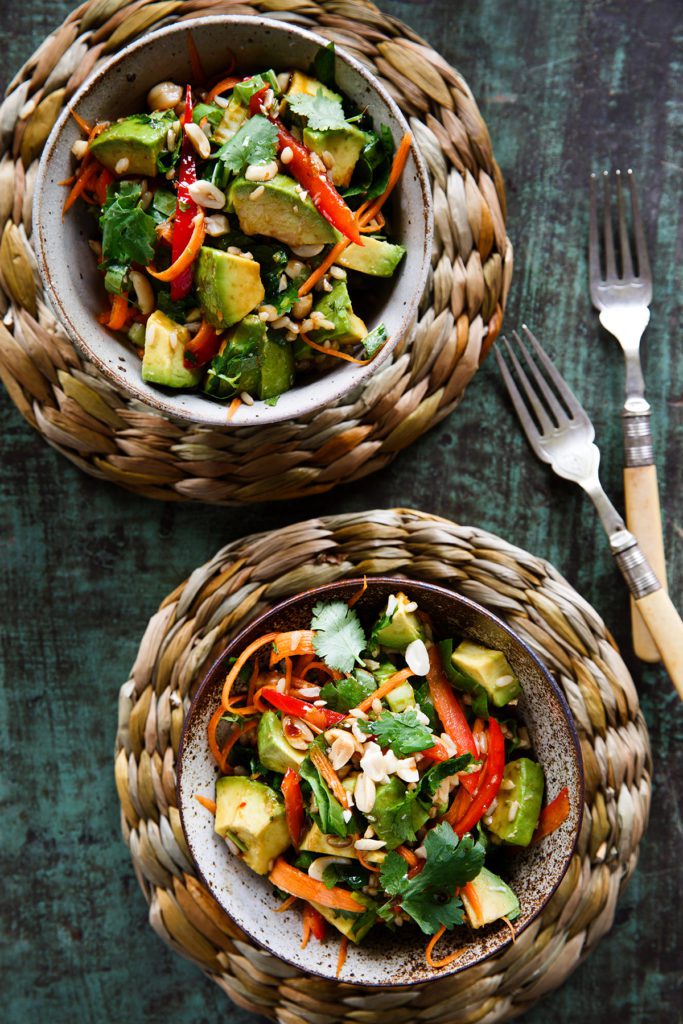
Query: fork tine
pixel 525 418
pixel 565 392
pixel 610 264
pixel 638 231
pixel 624 243
pixel 534 401
pixel 593 239
pixel 560 413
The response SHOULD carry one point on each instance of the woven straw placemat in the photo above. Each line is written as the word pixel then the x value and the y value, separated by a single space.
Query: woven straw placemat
pixel 193 626
pixel 116 439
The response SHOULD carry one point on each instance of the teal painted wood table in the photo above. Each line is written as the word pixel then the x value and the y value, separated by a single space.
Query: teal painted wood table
pixel 566 88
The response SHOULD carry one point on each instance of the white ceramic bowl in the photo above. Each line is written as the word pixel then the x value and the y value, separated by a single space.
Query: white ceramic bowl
pixel 119 87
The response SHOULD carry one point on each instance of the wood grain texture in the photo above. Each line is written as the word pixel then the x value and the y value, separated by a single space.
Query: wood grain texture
pixel 566 88
pixel 644 519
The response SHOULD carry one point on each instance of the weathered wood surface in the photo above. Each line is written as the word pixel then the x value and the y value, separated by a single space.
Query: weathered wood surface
pixel 566 88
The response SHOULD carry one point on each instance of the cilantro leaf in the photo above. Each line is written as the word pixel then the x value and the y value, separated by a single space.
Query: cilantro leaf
pixel 320 111
pixel 348 693
pixel 329 813
pixel 403 732
pixel 255 142
pixel 397 813
pixel 339 637
pixel 432 779
pixel 428 897
pixel 372 343
pixel 322 67
pixel 424 701
pixel 128 233
pixel 371 173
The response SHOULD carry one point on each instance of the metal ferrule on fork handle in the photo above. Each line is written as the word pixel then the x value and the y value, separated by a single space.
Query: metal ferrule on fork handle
pixel 638 446
pixel 633 565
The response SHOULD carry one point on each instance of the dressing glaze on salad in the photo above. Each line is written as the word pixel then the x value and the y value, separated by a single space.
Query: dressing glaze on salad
pixel 378 777
pixel 238 226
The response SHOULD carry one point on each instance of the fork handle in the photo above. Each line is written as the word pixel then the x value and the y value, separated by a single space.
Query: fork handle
pixel 643 518
pixel 653 603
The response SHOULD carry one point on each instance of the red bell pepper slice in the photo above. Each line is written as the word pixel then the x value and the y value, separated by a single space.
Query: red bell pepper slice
pixel 256 100
pixel 315 922
pixel 436 753
pixel 552 816
pixel 187 208
pixel 294 805
pixel 203 347
pixel 322 718
pixel 450 711
pixel 491 778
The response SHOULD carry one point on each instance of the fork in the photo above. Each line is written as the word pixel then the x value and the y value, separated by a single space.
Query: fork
pixel 561 434
pixel 622 297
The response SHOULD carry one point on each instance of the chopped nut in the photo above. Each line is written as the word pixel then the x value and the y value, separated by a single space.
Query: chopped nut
pixel 261 172
pixel 198 139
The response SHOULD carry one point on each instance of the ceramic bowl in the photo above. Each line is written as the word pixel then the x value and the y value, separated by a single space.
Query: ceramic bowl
pixel 119 87
pixel 385 958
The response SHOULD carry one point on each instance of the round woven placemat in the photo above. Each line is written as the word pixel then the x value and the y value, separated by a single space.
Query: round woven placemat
pixel 114 438
pixel 195 623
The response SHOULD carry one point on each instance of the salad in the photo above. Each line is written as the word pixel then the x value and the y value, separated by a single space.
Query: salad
pixel 379 778
pixel 239 226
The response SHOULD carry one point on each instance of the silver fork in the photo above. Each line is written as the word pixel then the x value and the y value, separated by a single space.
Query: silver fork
pixel 622 295
pixel 561 434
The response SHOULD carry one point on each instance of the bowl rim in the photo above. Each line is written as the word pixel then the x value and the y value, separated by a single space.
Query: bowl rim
pixel 208 681
pixel 259 414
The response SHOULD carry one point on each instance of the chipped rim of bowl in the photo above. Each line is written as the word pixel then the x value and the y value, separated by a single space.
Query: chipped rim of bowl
pixel 209 682
pixel 335 384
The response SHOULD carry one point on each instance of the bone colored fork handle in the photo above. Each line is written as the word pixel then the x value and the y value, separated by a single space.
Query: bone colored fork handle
pixel 643 516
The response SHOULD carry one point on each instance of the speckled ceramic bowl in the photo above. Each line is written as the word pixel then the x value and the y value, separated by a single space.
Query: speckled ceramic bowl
pixel 119 87
pixel 385 958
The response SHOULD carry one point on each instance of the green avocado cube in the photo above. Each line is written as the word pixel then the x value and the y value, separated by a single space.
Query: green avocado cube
pixel 490 669
pixel 252 813
pixel 163 358
pixel 388 815
pixel 401 697
pixel 518 806
pixel 228 286
pixel 402 625
pixel 281 209
pixel 335 306
pixel 494 897
pixel 343 145
pixel 252 359
pixel 374 257
pixel 273 749
pixel 139 139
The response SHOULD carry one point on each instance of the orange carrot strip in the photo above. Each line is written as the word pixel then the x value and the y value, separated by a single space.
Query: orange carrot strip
pixel 359 593
pixel 320 271
pixel 211 733
pixel 86 176
pixel 397 166
pixel 288 674
pixel 254 646
pixel 333 351
pixel 187 256
pixel 252 681
pixel 82 124
pixel 391 683
pixel 306 933
pixel 408 856
pixel 119 312
pixel 287 645
pixel 365 862
pixel 236 733
pixel 205 802
pixel 225 83
pixel 473 898
pixel 234 406
pixel 430 949
pixel 298 883
pixel 341 959
pixel 290 901
pixel 319 666
pixel 324 766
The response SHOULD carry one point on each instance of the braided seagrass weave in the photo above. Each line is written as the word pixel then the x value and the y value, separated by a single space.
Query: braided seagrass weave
pixel 193 626
pixel 114 438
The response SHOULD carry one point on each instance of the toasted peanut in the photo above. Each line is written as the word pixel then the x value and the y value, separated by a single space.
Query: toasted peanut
pixel 198 139
pixel 261 172
pixel 207 195
pixel 164 96
pixel 144 292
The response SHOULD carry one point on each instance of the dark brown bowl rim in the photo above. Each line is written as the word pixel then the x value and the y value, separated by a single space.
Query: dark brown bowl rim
pixel 321 591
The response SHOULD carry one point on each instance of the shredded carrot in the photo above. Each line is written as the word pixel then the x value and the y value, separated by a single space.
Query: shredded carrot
pixel 298 883
pixel 324 766
pixel 233 407
pixel 318 666
pixel 288 674
pixel 333 351
pixel 250 709
pixel 306 933
pixel 82 124
pixel 343 949
pixel 430 949
pixel 358 594
pixel 365 862
pixel 253 679
pixel 188 254
pixel 391 683
pixel 235 735
pixel 408 856
pixel 302 663
pixel 287 645
pixel 119 312
pixel 205 802
pixel 86 177
pixel 374 225
pixel 225 83
pixel 246 654
pixel 508 922
pixel 320 271
pixel 211 731
pixel 473 898
pixel 289 902
pixel 198 72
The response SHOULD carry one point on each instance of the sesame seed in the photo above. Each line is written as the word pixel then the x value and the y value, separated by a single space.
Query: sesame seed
pixel 514 807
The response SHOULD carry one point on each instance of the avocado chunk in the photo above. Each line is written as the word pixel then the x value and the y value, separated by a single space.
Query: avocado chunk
pixel 401 698
pixel 302 83
pixel 279 211
pixel 344 145
pixel 389 811
pixel 403 625
pixel 490 669
pixel 336 307
pixel 374 257
pixel 273 749
pixel 228 286
pixel 316 841
pixel 344 923
pixel 252 813
pixel 521 792
pixel 162 362
pixel 234 116
pixel 495 900
pixel 139 139
pixel 252 359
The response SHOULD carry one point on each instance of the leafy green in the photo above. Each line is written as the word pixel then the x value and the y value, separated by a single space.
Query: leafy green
pixel 128 233
pixel 304 860
pixel 428 897
pixel 462 681
pixel 352 876
pixel 255 142
pixel 116 278
pixel 320 111
pixel 432 779
pixel 424 700
pixel 163 204
pixel 348 693
pixel 329 814
pixel 271 274
pixel 397 813
pixel 403 732
pixel 210 111
pixel 243 91
pixel 383 621
pixel 176 310
pixel 322 67
pixel 371 173
pixel 372 343
pixel 339 637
